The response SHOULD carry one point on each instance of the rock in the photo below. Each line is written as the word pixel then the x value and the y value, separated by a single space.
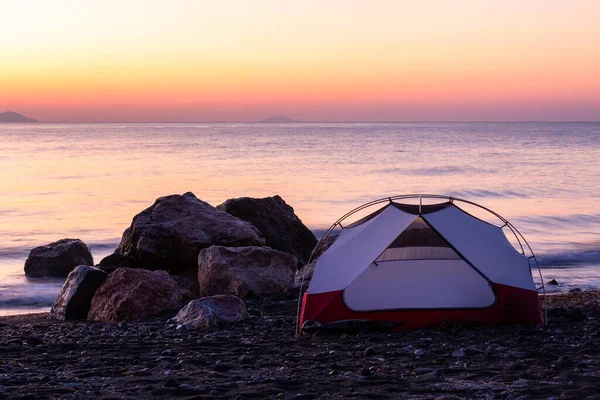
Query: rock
pixel 419 352
pixel 304 275
pixel 458 354
pixel 128 294
pixel 244 270
pixel 34 341
pixel 278 223
pixel 576 290
pixel 76 295
pixel 188 285
pixel 552 282
pixel 447 398
pixel 564 361
pixel 112 262
pixel 211 313
pixel 170 234
pixel 365 372
pixel 369 351
pixel 57 259
pixel 324 244
pixel 245 359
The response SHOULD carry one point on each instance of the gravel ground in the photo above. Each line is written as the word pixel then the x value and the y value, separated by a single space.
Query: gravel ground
pixel 261 358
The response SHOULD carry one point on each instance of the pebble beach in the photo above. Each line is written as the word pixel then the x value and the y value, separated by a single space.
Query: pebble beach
pixel 261 358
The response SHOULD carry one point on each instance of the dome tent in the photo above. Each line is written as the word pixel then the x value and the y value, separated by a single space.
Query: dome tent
pixel 421 265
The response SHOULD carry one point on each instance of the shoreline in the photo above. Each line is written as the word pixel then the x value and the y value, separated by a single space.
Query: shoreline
pixel 261 358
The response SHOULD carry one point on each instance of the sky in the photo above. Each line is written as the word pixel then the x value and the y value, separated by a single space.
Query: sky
pixel 375 60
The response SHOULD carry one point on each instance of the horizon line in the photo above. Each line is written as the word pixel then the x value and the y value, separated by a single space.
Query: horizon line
pixel 315 122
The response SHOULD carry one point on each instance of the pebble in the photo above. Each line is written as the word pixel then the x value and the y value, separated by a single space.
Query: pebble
pixel 458 354
pixel 447 398
pixel 245 359
pixel 419 352
pixel 365 372
pixel 421 371
pixel 369 351
pixel 172 382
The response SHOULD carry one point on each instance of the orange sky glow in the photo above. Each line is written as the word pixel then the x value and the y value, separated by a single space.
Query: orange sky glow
pixel 375 60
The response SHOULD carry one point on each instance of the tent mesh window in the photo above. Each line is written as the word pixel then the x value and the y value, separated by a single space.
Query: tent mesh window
pixel 418 242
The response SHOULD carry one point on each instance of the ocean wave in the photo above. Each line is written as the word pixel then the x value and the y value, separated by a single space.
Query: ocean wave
pixel 26 302
pixel 19 252
pixel 570 258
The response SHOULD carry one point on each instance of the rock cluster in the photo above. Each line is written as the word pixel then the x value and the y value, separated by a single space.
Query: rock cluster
pixel 176 250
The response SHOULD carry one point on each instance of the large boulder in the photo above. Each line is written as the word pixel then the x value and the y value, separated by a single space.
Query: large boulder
pixel 170 234
pixel 278 223
pixel 58 259
pixel 129 294
pixel 76 295
pixel 211 313
pixel 243 271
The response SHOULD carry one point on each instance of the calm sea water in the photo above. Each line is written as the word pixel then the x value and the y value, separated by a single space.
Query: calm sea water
pixel 88 180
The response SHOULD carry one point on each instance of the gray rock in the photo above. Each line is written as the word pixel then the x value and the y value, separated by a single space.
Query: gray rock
pixel 76 295
pixel 552 282
pixel 129 294
pixel 458 354
pixel 240 271
pixel 170 234
pixel 210 313
pixel 419 352
pixel 304 275
pixel 278 223
pixel 58 259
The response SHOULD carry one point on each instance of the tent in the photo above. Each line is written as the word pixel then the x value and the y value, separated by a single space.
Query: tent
pixel 421 265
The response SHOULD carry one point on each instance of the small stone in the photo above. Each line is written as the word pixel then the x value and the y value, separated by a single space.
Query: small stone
pixel 421 371
pixel 333 373
pixel 213 392
pixel 576 290
pixel 15 341
pixel 458 354
pixel 447 398
pixel 564 361
pixel 419 352
pixel 369 351
pixel 171 382
pixel 245 359
pixel 552 282
pixel 365 372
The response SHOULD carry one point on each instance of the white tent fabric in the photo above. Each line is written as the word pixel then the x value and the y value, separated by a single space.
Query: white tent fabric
pixel 419 284
pixel 484 245
pixel 356 248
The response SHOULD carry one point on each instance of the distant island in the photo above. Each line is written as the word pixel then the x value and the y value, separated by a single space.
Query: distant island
pixel 279 120
pixel 11 116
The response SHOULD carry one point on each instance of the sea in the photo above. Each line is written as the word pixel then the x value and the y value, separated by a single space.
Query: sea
pixel 87 181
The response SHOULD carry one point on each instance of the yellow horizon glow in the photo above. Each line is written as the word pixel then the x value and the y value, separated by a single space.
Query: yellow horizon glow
pixel 369 60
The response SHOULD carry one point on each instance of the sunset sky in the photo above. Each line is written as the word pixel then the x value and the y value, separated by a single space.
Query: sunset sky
pixel 144 60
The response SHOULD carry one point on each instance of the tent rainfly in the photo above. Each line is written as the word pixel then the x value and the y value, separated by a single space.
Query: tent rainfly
pixel 421 265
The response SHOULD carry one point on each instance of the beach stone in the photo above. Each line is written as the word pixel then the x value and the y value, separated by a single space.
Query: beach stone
pixel 243 271
pixel 129 294
pixel 170 234
pixel 57 259
pixel 304 275
pixel 75 297
pixel 276 220
pixel 210 313
pixel 458 354
pixel 552 282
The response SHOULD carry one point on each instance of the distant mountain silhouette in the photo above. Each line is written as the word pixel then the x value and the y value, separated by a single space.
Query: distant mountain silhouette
pixel 11 116
pixel 279 119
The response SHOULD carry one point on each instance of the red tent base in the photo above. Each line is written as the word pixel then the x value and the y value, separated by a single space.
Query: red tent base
pixel 513 306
